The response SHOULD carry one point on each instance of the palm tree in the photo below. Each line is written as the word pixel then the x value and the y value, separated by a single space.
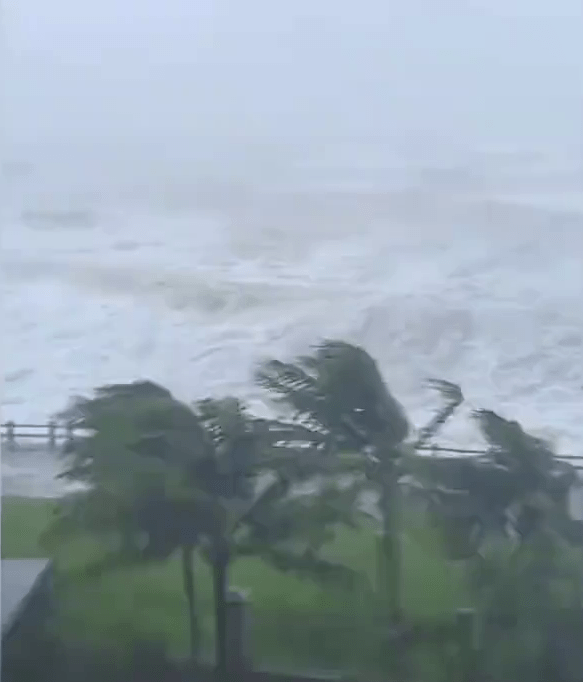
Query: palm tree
pixel 340 397
pixel 250 480
pixel 505 514
pixel 136 454
pixel 516 487
pixel 161 475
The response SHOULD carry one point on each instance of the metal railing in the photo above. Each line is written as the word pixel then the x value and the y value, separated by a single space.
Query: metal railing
pixel 54 432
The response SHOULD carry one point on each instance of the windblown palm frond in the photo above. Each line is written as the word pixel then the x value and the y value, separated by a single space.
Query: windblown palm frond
pixel 531 458
pixel 231 464
pixel 453 398
pixel 85 412
pixel 223 418
pixel 517 487
pixel 293 387
pixel 354 386
pixel 138 458
pixel 510 444
pixel 338 390
pixel 141 418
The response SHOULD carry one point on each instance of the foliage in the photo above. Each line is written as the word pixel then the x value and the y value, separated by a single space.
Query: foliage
pixel 297 623
pixel 514 495
pixel 161 475
pixel 339 396
pixel 452 397
pixel 512 490
pixel 137 445
pixel 157 468
pixel 506 514
pixel 524 594
pixel 337 391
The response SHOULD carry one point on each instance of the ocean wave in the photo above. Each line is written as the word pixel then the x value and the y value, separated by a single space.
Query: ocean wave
pixel 43 219
pixel 465 285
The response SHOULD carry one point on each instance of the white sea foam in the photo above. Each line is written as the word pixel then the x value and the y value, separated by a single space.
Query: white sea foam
pixel 462 276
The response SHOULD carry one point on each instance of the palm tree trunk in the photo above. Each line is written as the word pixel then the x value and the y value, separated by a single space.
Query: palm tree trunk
pixel 397 558
pixel 188 582
pixel 220 571
pixel 389 560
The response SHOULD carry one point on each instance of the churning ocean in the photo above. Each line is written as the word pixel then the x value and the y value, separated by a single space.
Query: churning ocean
pixel 469 270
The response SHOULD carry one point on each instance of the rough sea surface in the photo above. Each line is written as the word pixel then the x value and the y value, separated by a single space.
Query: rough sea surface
pixel 469 270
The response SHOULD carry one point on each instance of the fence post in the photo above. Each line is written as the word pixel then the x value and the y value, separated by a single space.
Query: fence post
pixel 466 624
pixel 10 435
pixel 70 439
pixel 238 626
pixel 52 435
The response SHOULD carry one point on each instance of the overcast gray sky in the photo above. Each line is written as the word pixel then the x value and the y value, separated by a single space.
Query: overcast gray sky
pixel 179 73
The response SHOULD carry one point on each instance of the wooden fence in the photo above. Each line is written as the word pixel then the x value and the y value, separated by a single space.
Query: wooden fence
pixel 54 433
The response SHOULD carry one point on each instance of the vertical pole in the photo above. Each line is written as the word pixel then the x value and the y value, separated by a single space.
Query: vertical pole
pixel 238 653
pixel 10 435
pixel 220 571
pixel 70 439
pixel 466 635
pixel 188 579
pixel 52 435
pixel 389 543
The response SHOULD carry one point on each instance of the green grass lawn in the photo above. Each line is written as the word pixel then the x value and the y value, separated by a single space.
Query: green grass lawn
pixel 294 621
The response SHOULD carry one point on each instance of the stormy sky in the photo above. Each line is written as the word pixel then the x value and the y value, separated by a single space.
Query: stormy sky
pixel 182 76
